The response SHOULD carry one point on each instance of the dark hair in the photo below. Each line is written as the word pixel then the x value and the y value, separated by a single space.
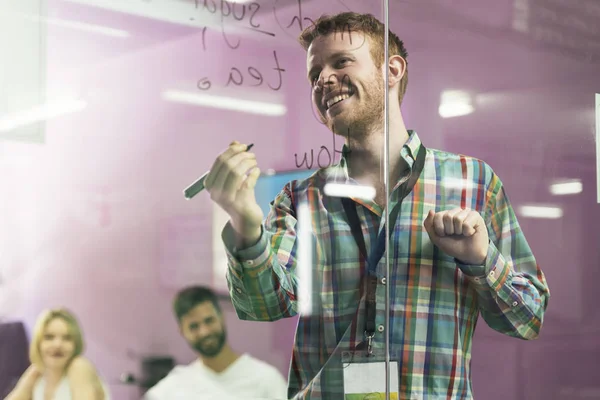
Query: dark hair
pixel 366 24
pixel 190 297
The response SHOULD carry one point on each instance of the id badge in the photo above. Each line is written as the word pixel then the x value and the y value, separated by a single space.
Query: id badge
pixel 364 376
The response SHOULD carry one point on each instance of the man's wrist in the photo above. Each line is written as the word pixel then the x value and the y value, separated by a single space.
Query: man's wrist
pixel 247 236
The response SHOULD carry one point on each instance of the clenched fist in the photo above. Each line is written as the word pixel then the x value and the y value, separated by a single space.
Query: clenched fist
pixel 460 233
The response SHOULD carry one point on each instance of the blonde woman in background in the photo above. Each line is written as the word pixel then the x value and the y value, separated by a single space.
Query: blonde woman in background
pixel 58 370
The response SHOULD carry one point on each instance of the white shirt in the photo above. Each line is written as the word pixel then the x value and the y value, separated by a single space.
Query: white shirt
pixel 62 392
pixel 246 378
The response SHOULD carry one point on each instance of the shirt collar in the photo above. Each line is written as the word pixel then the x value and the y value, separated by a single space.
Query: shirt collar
pixel 409 152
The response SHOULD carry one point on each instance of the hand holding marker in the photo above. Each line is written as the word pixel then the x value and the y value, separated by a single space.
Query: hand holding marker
pixel 198 185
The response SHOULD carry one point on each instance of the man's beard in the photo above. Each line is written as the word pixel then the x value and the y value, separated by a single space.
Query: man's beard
pixel 366 116
pixel 213 349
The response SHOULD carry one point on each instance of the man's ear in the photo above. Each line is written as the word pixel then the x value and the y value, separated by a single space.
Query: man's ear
pixel 397 66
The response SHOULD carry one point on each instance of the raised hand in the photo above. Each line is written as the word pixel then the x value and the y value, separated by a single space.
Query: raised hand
pixel 460 233
pixel 231 183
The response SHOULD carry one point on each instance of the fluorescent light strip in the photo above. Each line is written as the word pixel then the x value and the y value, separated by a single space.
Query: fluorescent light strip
pixel 520 20
pixel 457 183
pixel 40 113
pixel 102 30
pixel 305 269
pixel 455 103
pixel 541 212
pixel 178 12
pixel 355 191
pixel 598 147
pixel 219 255
pixel 226 103
pixel 452 110
pixel 81 26
pixel 563 188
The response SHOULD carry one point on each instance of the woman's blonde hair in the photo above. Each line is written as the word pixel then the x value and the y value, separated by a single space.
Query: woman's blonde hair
pixel 40 326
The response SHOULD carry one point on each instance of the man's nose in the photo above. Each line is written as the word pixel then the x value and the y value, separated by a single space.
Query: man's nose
pixel 203 332
pixel 327 80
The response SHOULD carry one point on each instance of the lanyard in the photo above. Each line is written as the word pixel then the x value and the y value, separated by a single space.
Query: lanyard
pixel 377 252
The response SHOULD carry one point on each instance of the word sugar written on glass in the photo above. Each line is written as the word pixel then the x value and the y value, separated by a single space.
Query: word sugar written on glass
pixel 239 12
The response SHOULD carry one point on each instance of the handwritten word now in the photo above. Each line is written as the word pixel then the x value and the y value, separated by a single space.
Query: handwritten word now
pixel 323 151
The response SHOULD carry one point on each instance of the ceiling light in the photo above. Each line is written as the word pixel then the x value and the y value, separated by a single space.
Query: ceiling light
pixel 226 103
pixel 355 191
pixel 305 263
pixel 455 103
pixel 40 113
pixel 80 26
pixel 533 211
pixel 598 147
pixel 566 187
pixel 179 12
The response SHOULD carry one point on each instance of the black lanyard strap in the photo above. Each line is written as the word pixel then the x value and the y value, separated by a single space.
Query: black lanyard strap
pixel 377 252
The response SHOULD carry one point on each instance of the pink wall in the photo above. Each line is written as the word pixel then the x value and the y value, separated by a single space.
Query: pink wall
pixel 89 216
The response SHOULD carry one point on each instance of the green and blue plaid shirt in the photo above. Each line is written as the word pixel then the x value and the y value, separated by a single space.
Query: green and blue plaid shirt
pixel 434 300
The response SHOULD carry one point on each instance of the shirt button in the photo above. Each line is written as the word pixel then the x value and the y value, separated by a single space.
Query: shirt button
pixel 476 279
pixel 380 328
pixel 250 262
pixel 237 289
pixel 493 273
pixel 515 303
pixel 383 280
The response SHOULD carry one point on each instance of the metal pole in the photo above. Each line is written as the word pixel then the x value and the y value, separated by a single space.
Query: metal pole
pixel 386 161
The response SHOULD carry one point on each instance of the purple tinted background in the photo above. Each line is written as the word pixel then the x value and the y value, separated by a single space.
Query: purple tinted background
pixel 92 218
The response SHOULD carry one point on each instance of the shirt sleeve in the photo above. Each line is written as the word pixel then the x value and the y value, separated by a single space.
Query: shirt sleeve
pixel 511 288
pixel 262 279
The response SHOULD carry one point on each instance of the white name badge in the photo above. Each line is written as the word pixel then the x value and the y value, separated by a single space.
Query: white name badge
pixel 366 380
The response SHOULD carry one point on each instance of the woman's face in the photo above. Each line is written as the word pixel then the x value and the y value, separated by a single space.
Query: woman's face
pixel 57 345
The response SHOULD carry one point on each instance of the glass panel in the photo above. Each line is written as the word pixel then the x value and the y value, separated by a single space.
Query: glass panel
pixel 110 110
pixel 132 102
pixel 500 77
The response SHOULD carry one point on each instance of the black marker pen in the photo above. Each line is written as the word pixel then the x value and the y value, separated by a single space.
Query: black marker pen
pixel 198 186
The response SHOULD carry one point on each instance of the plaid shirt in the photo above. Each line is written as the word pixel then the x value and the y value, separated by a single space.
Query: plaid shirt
pixel 435 300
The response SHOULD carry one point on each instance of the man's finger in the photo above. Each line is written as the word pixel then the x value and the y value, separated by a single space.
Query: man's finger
pixel 234 148
pixel 250 182
pixel 238 174
pixel 458 220
pixel 438 223
pixel 470 223
pixel 231 176
pixel 449 221
pixel 428 224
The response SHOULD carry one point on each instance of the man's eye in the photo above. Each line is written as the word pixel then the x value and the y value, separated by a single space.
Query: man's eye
pixel 343 61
